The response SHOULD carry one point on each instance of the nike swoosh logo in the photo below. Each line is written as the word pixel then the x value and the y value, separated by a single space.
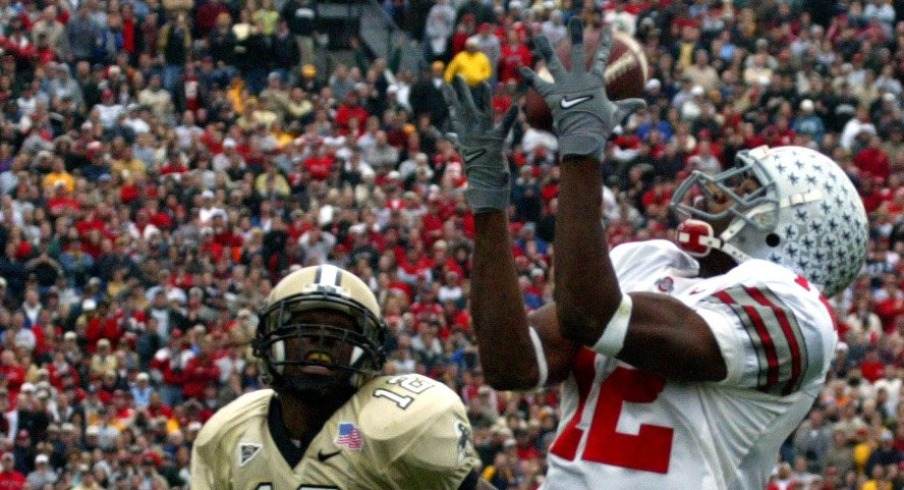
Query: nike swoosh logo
pixel 473 155
pixel 568 104
pixel 322 456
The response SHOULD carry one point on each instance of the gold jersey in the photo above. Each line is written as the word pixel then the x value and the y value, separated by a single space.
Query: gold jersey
pixel 397 432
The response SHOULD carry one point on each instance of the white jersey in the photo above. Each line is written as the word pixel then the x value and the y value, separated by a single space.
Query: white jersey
pixel 109 114
pixel 626 428
pixel 395 433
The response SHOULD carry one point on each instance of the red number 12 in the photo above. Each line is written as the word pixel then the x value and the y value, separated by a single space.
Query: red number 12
pixel 649 450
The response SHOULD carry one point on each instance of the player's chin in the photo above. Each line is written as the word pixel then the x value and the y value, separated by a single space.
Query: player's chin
pixel 316 379
pixel 325 390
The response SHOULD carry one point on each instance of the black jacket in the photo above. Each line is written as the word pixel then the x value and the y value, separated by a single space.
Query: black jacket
pixel 425 98
pixel 301 16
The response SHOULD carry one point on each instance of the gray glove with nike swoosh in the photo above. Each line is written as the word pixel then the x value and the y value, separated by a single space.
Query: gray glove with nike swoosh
pixel 582 114
pixel 480 144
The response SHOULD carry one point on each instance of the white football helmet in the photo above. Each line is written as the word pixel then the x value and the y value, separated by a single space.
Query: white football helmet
pixel 322 287
pixel 805 214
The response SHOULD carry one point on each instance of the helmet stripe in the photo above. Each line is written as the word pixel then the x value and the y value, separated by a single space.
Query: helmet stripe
pixel 327 276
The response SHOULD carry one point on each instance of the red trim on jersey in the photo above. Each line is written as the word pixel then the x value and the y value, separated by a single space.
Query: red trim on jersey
pixel 765 339
pixel 583 369
pixel 782 317
pixel 822 299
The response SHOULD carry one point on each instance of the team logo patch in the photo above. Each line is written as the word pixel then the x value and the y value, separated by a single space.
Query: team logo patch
pixel 464 440
pixel 349 436
pixel 247 452
pixel 665 284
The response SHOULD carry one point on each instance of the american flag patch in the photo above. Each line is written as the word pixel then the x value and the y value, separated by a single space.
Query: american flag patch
pixel 349 436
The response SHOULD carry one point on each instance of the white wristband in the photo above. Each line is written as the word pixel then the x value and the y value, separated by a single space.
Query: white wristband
pixel 613 338
pixel 542 365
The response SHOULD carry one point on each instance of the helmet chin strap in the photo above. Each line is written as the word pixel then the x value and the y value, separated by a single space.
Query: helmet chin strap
pixel 697 238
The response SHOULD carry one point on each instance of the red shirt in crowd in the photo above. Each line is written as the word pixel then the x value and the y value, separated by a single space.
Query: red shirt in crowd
pixel 432 227
pixel 528 452
pixel 872 369
pixel 59 204
pixel 11 480
pixel 873 161
pixel 45 55
pixel 320 166
pixel 199 372
pixel 887 310
pixel 129 192
pixel 206 18
pixel 514 56
pixel 102 328
pixel 158 409
pixel 91 222
pixel 346 112
pixel 426 310
pixel 161 220
pixel 14 376
pixel 57 371
pixel 41 345
pixel 656 196
pixel 460 319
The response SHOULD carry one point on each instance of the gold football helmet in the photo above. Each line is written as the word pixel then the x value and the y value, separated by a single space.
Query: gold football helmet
pixel 284 338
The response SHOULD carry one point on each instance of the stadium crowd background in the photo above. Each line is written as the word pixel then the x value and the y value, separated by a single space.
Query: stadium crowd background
pixel 162 164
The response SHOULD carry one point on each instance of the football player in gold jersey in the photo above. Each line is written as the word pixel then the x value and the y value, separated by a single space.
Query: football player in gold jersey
pixel 330 420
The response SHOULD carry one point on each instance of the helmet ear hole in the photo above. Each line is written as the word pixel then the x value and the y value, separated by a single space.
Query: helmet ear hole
pixel 773 240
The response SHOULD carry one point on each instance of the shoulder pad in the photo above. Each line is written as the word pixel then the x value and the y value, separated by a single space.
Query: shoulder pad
pixel 639 259
pixel 385 419
pixel 233 415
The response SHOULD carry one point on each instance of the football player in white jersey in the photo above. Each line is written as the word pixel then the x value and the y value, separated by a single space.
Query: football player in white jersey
pixel 685 364
pixel 330 420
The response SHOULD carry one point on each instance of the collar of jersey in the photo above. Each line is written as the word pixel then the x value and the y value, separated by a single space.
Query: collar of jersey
pixel 280 434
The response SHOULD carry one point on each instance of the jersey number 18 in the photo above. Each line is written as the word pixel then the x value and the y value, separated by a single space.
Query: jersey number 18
pixel 408 383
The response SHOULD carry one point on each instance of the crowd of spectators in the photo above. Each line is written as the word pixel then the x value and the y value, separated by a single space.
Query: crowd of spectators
pixel 163 164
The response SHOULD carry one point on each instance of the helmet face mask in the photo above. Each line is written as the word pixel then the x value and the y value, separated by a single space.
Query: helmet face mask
pixel 700 189
pixel 317 336
pixel 802 212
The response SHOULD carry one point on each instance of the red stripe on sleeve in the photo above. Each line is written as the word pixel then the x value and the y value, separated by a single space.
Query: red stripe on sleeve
pixel 753 318
pixel 783 321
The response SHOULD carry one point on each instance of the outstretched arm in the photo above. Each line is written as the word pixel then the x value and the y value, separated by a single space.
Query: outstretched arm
pixel 497 308
pixel 512 358
pixel 664 336
pixel 650 331
pixel 508 354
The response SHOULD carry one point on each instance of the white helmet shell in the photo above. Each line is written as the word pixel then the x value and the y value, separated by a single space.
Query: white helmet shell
pixel 806 214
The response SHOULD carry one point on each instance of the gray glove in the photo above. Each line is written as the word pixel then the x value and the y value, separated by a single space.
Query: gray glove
pixel 480 144
pixel 582 114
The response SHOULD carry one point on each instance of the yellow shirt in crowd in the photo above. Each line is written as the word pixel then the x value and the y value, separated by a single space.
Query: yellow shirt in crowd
pixel 66 178
pixel 473 67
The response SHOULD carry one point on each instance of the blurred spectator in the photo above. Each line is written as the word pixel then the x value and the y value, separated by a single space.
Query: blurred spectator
pixel 302 17
pixel 471 64
pixel 426 96
pixel 43 474
pixel 438 31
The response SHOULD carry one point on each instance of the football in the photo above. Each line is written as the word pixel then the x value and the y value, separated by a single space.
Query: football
pixel 626 73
